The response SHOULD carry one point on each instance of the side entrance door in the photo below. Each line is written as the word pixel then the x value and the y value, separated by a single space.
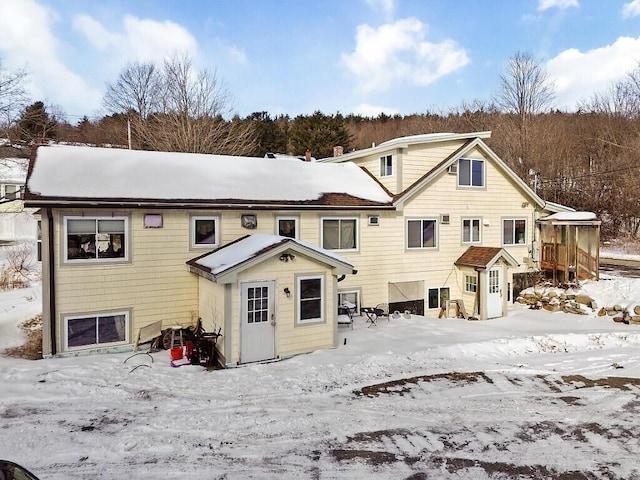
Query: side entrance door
pixel 494 293
pixel 257 332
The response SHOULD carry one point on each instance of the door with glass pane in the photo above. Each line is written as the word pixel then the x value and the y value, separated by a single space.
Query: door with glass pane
pixel 257 335
pixel 494 293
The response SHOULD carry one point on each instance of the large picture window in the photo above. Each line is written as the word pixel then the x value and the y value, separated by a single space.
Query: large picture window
pixel 514 231
pixel 421 233
pixel 94 239
pixel 204 232
pixel 96 330
pixel 471 230
pixel 470 173
pixel 310 299
pixel 339 233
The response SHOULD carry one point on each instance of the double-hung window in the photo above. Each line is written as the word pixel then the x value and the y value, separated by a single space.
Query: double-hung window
pixel 438 297
pixel 470 230
pixel 96 238
pixel 204 231
pixel 514 231
pixel 340 233
pixel 96 330
pixel 422 233
pixel 310 299
pixel 386 165
pixel 470 173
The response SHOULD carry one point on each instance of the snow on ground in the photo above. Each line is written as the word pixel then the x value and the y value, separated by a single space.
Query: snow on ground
pixel 532 395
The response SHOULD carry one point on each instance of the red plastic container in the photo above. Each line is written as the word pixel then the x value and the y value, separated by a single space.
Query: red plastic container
pixel 176 353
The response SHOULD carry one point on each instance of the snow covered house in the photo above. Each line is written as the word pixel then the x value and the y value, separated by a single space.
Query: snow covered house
pixel 267 249
pixel 17 223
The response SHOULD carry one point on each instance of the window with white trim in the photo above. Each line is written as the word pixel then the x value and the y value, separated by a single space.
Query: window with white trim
pixel 340 233
pixel 514 231
pixel 287 226
pixel 99 330
pixel 422 233
pixel 89 239
pixel 310 299
pixel 347 298
pixel 386 165
pixel 438 297
pixel 470 283
pixel 11 192
pixel 470 230
pixel 470 173
pixel 204 231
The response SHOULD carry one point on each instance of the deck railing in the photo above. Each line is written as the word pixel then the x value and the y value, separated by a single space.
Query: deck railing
pixel 555 257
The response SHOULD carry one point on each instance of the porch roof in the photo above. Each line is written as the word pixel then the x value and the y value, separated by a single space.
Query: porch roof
pixel 571 218
pixel 223 264
pixel 485 257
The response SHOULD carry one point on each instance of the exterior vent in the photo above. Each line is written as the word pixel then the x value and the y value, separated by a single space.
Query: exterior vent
pixel 453 169
pixel 445 219
pixel 374 220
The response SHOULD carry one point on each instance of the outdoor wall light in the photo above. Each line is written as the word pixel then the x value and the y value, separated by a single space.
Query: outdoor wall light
pixel 285 257
pixel 287 292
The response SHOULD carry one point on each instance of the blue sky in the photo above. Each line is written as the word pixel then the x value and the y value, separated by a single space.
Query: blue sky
pixel 350 56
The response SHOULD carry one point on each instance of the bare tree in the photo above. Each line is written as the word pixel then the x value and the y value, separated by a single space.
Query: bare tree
pixel 13 97
pixel 177 108
pixel 136 90
pixel 525 90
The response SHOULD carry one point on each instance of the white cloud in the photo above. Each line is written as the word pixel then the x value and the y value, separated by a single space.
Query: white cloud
pixel 398 52
pixel 367 110
pixel 631 9
pixel 26 35
pixel 139 39
pixel 547 4
pixel 579 75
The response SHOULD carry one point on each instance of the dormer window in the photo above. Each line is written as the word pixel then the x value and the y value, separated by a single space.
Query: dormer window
pixel 386 165
pixel 470 173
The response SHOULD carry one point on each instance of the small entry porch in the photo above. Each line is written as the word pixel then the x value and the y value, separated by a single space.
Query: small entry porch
pixel 570 246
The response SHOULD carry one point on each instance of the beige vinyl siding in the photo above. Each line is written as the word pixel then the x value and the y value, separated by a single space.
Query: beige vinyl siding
pixel 155 283
pixel 290 338
pixel 420 159
pixel 211 308
pixel 383 258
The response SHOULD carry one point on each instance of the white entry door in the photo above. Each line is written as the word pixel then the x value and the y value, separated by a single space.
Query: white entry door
pixel 494 293
pixel 257 335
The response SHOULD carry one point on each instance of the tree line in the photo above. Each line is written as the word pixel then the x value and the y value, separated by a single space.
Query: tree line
pixel 588 158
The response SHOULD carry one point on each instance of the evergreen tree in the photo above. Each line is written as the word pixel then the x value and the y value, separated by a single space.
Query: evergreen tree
pixel 319 133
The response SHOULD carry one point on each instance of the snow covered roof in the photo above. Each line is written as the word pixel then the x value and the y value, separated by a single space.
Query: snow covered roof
pixel 13 170
pixel 242 251
pixel 75 173
pixel 571 217
pixel 403 142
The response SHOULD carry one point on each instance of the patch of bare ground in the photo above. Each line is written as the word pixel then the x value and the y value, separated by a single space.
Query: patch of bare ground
pixel 404 385
pixel 32 347
pixel 459 451
pixel 621 383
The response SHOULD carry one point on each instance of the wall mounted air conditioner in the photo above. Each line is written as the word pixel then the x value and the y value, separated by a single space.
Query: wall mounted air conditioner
pixel 453 169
